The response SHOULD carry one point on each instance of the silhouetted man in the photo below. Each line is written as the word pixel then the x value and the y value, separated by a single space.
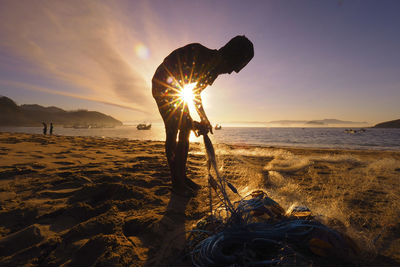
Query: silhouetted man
pixel 51 128
pixel 44 128
pixel 192 63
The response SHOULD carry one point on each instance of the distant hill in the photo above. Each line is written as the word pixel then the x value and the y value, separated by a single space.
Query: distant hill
pixel 388 124
pixel 324 122
pixel 33 115
pixel 287 122
pixel 334 121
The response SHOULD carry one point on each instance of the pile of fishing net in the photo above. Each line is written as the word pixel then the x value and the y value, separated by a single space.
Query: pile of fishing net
pixel 257 231
pixel 261 233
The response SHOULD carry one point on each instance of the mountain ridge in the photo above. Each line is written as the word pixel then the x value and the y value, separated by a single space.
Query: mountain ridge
pixel 33 115
pixel 388 124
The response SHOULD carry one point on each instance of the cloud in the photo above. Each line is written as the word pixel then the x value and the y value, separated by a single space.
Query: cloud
pixel 86 45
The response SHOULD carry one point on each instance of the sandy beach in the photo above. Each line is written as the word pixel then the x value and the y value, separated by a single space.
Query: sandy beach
pixel 85 201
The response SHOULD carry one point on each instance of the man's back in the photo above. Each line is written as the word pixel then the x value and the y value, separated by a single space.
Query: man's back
pixel 188 64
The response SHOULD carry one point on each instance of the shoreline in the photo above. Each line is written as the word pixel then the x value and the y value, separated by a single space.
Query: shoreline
pixel 87 200
pixel 239 144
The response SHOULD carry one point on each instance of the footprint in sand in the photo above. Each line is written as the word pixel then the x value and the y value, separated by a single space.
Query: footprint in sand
pixel 64 162
pixel 92 165
pixel 22 239
pixel 65 174
pixel 38 166
pixel 162 191
pixel 135 225
pixel 10 174
pixel 60 193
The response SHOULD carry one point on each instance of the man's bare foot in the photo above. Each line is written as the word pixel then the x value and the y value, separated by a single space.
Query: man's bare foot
pixel 191 184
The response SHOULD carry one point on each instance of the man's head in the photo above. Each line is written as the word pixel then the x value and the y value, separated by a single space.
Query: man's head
pixel 236 54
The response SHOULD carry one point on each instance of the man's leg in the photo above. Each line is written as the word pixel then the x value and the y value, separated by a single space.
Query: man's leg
pixel 174 157
pixel 182 151
pixel 174 151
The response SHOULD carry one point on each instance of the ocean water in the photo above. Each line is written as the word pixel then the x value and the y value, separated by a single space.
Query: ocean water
pixel 378 139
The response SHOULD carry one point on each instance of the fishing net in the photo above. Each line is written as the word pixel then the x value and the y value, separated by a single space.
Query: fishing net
pixel 257 231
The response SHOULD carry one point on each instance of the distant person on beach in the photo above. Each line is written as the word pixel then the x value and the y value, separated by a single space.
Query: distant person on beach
pixel 193 63
pixel 44 128
pixel 51 128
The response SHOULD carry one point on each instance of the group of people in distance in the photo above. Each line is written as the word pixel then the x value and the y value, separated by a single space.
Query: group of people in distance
pixel 45 128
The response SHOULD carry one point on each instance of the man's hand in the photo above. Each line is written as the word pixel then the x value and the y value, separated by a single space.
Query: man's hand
pixel 206 124
pixel 196 128
pixel 201 128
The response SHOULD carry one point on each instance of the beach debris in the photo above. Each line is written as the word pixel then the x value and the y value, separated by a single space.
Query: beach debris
pixel 301 212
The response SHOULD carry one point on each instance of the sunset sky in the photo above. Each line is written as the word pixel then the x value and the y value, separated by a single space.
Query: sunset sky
pixel 313 59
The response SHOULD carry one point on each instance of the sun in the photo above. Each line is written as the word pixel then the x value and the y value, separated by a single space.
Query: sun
pixel 186 93
pixel 189 98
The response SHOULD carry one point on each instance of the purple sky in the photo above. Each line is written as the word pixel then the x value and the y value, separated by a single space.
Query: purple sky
pixel 313 59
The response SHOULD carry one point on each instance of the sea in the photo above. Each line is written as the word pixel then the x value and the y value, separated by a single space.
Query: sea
pixel 332 137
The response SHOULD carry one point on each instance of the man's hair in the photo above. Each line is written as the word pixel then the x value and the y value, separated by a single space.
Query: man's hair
pixel 238 52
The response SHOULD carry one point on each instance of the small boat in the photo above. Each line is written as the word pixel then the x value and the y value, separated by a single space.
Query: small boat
pixel 218 127
pixel 144 126
pixel 351 131
pixel 81 126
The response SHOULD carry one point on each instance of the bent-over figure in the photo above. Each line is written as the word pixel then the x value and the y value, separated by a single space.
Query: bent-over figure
pixel 193 63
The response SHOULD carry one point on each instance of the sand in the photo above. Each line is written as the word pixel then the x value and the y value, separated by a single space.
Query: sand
pixel 85 201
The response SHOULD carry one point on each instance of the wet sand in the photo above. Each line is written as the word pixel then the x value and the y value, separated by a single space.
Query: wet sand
pixel 85 201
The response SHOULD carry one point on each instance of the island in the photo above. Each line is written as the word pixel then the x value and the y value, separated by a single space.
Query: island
pixel 388 124
pixel 323 123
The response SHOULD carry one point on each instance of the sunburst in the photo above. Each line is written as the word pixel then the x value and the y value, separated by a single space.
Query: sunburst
pixel 188 96
pixel 182 94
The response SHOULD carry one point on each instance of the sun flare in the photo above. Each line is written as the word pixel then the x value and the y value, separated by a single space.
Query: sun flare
pixel 189 98
pixel 187 93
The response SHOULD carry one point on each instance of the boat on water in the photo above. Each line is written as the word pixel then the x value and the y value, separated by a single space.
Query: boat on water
pixel 218 127
pixel 352 131
pixel 144 126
